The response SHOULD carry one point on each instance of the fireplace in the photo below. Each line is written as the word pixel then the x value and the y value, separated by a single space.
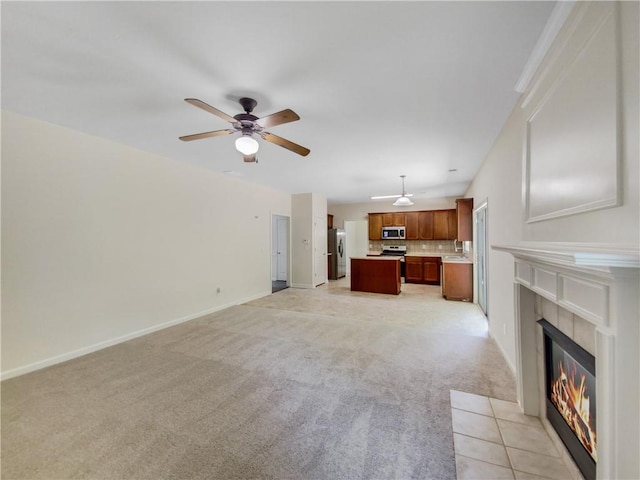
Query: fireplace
pixel 590 294
pixel 570 389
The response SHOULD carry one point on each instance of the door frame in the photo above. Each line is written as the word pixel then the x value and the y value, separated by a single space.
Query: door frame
pixel 275 217
pixel 483 206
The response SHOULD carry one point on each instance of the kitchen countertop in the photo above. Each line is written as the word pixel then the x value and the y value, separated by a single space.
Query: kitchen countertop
pixel 456 260
pixel 427 254
pixel 376 257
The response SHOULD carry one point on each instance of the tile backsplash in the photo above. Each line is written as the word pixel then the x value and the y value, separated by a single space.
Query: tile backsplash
pixel 418 246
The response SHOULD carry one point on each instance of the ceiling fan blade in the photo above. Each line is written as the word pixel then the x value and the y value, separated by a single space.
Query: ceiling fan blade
pixel 198 136
pixel 294 147
pixel 285 116
pixel 208 108
pixel 249 158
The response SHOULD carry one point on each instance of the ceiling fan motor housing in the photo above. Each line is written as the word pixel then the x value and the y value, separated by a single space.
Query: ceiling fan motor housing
pixel 248 104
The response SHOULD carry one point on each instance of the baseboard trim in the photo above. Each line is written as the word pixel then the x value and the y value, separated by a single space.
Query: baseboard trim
pixel 504 354
pixel 39 365
pixel 302 285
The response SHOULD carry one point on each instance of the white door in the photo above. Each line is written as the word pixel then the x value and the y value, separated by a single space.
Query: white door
pixel 282 247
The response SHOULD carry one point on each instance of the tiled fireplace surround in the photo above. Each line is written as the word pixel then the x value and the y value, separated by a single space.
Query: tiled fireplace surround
pixel 591 293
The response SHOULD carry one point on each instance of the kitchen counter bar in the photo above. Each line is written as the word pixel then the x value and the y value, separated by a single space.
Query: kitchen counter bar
pixel 375 274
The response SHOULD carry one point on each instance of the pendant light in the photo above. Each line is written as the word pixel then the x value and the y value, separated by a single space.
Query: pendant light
pixel 403 201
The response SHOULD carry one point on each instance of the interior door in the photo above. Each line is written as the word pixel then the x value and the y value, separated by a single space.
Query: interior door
pixel 282 249
pixel 481 256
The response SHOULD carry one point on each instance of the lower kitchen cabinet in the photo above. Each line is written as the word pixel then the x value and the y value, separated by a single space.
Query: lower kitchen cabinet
pixel 422 270
pixel 457 281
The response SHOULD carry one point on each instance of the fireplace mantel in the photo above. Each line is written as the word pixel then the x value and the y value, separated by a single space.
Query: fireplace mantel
pixel 600 284
pixel 592 257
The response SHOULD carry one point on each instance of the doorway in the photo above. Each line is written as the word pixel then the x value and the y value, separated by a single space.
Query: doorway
pixel 480 222
pixel 279 253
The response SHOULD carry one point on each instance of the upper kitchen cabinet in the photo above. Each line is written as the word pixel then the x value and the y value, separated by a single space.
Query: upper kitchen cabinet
pixel 464 208
pixel 440 225
pixel 452 219
pixel 393 219
pixel 411 222
pixel 375 226
pixel 419 225
pixel 445 224
pixel 425 225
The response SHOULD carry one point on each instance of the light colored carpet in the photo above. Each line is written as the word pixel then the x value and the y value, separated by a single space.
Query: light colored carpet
pixel 302 384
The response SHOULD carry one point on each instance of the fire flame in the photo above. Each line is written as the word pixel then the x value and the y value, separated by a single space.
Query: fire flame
pixel 573 404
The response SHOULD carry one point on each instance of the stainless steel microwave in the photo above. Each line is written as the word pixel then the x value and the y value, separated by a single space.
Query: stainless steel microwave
pixel 393 233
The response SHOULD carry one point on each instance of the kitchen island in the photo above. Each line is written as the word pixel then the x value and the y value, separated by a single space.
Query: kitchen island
pixel 375 275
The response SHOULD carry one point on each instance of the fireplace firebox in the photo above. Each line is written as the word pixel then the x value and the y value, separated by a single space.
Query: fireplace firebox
pixel 570 379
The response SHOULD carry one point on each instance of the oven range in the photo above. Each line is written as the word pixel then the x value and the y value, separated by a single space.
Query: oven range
pixel 394 251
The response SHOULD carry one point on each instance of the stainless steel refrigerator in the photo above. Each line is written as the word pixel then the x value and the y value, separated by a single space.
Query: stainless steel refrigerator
pixel 337 246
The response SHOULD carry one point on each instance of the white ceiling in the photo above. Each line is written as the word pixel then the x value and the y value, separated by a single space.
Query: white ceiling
pixel 382 88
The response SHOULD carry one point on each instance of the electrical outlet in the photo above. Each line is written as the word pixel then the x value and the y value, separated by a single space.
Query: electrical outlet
pixel 504 328
pixel 218 290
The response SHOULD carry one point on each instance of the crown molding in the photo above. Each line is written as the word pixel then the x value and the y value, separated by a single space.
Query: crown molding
pixel 555 22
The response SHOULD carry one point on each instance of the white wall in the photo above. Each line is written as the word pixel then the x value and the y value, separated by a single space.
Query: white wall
pixel 101 242
pixel 308 239
pixel 500 178
pixel 357 233
pixel 302 240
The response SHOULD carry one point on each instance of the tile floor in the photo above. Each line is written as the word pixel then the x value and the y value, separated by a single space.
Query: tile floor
pixel 493 439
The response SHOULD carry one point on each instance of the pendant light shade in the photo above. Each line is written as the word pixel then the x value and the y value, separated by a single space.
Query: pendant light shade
pixel 247 145
pixel 403 201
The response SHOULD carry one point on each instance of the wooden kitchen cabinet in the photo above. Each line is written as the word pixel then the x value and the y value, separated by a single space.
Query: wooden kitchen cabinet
pixel 393 219
pixel 376 275
pixel 445 224
pixel 464 209
pixel 375 226
pixel 422 269
pixel 425 225
pixel 453 224
pixel 419 225
pixel 412 231
pixel 457 281
pixel 412 269
pixel 440 225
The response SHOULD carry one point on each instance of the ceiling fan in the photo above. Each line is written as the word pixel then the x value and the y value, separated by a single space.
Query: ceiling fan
pixel 247 125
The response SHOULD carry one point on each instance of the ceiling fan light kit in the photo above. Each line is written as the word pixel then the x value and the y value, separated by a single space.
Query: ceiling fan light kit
pixel 247 145
pixel 247 124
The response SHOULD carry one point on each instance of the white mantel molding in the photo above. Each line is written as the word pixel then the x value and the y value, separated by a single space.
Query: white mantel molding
pixel 587 256
pixel 600 284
